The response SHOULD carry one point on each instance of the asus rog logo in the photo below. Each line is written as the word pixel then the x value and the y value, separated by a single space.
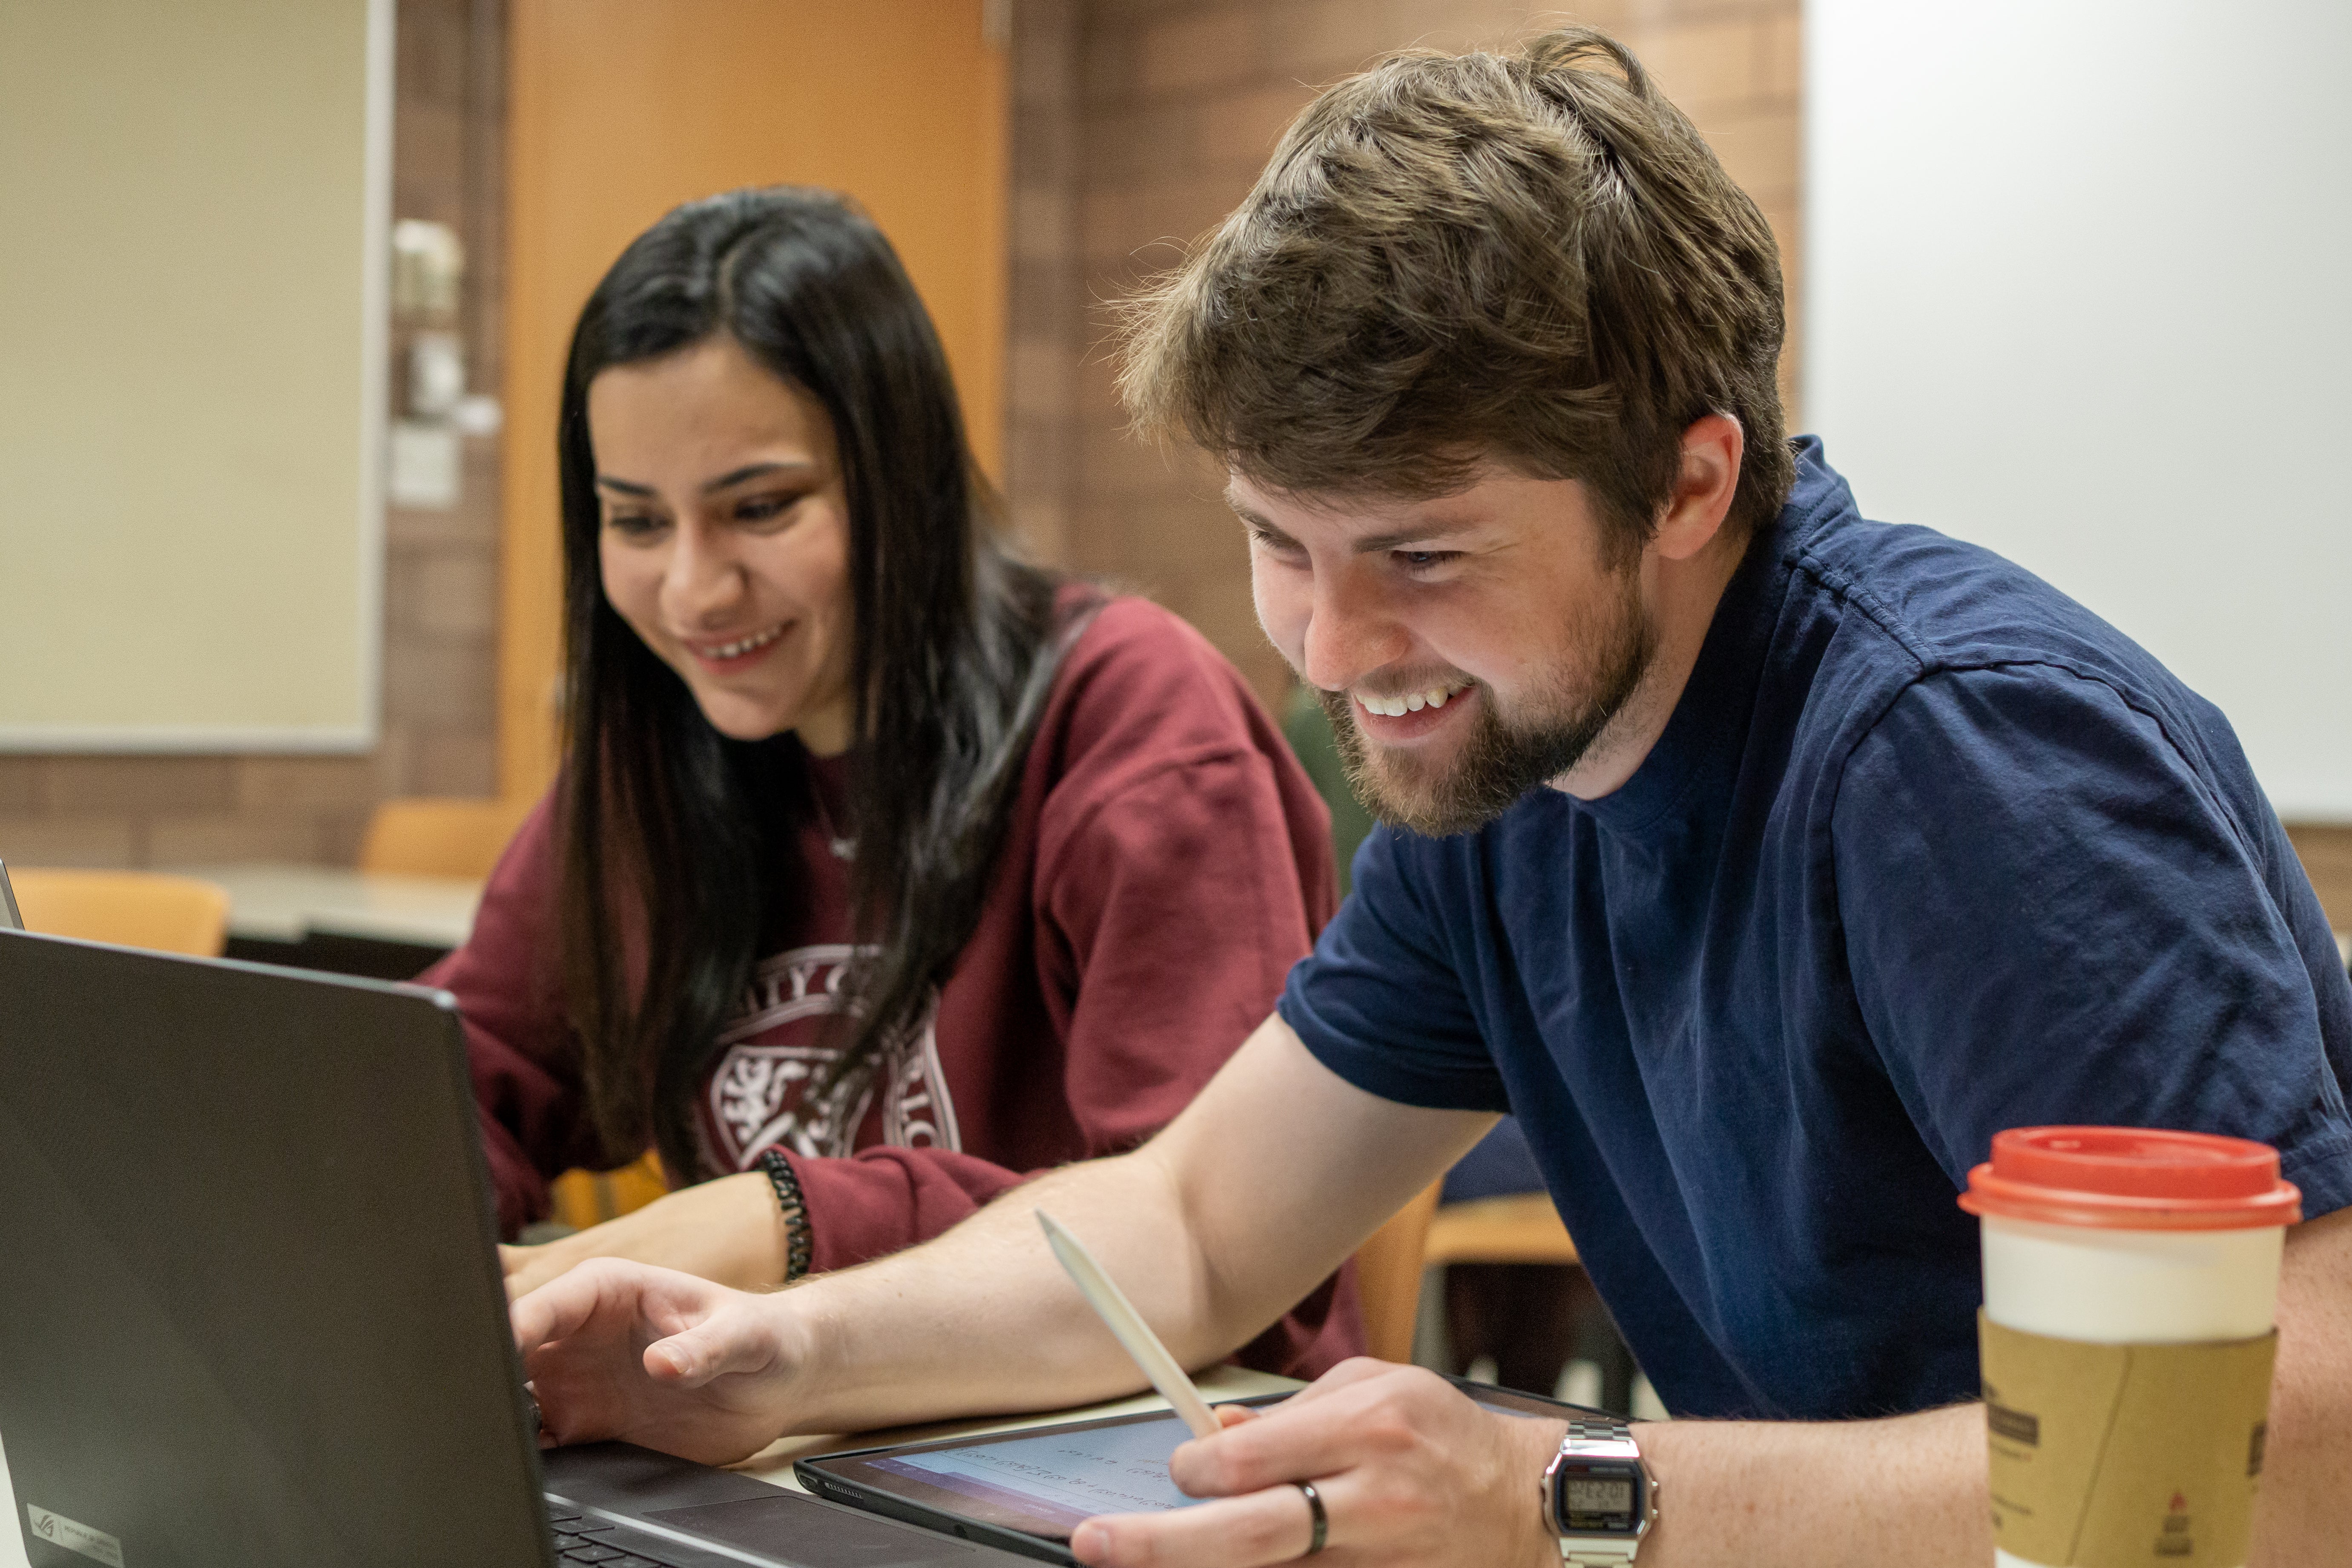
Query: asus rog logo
pixel 74 1536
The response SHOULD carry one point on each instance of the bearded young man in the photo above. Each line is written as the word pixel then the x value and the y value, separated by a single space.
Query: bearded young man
pixel 1763 860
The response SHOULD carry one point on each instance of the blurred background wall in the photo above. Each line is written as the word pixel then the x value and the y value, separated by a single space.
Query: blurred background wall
pixel 438 723
pixel 1138 123
pixel 1030 158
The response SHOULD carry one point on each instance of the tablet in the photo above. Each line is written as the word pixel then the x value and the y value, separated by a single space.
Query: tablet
pixel 1026 1491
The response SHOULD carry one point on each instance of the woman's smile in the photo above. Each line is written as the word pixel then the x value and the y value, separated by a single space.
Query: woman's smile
pixel 726 657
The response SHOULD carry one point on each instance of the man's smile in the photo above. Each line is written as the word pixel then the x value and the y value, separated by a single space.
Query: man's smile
pixel 1394 720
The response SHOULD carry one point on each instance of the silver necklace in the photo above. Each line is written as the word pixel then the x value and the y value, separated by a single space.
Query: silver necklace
pixel 842 849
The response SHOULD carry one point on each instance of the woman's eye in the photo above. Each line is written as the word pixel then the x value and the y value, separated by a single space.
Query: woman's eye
pixel 632 524
pixel 760 508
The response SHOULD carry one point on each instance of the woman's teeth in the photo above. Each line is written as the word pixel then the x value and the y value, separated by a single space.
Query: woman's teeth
pixel 1412 701
pixel 736 649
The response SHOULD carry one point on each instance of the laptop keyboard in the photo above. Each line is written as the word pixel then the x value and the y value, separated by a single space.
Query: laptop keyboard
pixel 590 1542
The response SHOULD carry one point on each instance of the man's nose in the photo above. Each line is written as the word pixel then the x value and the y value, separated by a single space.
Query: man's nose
pixel 1352 629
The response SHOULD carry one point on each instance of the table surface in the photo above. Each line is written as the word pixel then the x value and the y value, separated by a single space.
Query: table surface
pixel 773 1464
pixel 288 903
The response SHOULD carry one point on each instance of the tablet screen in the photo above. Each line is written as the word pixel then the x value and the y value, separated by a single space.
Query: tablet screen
pixel 1046 1483
pixel 1043 1482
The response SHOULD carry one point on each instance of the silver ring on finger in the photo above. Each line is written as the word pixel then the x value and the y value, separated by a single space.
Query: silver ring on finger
pixel 1322 1521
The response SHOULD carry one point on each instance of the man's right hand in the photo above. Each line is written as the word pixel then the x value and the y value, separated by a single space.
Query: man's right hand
pixel 620 1350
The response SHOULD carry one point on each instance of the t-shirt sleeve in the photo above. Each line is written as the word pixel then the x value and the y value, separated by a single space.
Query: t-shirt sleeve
pixel 521 1052
pixel 1380 1002
pixel 2052 917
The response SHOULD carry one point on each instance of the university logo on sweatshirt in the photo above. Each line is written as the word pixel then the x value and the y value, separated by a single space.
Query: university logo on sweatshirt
pixel 779 1044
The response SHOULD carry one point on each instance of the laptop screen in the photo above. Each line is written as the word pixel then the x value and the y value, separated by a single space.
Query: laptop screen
pixel 250 1310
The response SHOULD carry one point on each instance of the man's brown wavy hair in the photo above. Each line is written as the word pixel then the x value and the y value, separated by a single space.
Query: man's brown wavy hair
pixel 1529 258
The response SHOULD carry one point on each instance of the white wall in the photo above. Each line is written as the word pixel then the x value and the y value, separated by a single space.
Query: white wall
pixel 2079 288
pixel 11 1526
pixel 193 246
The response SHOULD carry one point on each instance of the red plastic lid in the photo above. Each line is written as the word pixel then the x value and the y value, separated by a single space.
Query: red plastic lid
pixel 2132 1178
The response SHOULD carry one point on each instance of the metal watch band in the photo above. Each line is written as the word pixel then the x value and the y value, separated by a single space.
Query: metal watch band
pixel 1599 1430
pixel 1599 1436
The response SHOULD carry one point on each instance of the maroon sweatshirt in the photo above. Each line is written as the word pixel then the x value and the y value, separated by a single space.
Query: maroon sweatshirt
pixel 1168 862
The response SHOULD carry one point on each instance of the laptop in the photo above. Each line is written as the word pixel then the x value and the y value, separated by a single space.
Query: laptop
pixel 251 1312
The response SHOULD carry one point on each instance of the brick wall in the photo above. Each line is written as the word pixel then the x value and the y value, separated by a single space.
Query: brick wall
pixel 1138 123
pixel 440 585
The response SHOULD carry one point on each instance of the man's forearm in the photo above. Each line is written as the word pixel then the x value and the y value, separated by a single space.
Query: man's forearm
pixel 982 1319
pixel 1213 1229
pixel 1853 1494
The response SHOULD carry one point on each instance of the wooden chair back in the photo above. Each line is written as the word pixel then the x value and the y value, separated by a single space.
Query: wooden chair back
pixel 440 836
pixel 582 1198
pixel 129 909
pixel 1517 1228
pixel 1388 1279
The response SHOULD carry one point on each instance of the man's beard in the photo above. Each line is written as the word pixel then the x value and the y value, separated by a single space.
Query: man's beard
pixel 1503 759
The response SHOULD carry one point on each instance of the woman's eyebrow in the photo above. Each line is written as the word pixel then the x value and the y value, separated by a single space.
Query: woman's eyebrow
pixel 710 487
pixel 756 471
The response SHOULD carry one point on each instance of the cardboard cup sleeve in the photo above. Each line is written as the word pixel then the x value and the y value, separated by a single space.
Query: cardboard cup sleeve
pixel 2108 1455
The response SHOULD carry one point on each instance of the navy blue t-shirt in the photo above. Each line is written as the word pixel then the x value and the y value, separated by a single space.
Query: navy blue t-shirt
pixel 1925 850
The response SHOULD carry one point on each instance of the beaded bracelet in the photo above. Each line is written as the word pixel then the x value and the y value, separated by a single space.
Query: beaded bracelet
pixel 796 1212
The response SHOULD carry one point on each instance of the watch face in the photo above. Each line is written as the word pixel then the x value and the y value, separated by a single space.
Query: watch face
pixel 1585 1494
pixel 1597 1496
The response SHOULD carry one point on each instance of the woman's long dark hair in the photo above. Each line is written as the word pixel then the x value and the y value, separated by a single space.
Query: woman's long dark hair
pixel 675 838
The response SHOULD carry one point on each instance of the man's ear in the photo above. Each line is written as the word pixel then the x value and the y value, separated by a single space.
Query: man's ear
pixel 1704 488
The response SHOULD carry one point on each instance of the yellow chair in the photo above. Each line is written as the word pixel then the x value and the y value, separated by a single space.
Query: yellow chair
pixel 1519 1228
pixel 129 909
pixel 584 1198
pixel 1388 1278
pixel 440 836
pixel 1522 1227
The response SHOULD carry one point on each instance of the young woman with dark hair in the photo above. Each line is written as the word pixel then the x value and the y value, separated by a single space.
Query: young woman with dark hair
pixel 884 867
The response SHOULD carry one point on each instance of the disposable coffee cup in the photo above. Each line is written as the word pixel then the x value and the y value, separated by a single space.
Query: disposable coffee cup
pixel 2131 1283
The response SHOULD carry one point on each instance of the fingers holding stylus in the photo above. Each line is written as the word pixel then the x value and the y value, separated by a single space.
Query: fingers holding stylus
pixel 1406 1469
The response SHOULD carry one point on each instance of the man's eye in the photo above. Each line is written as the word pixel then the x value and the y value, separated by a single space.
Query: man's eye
pixel 1422 560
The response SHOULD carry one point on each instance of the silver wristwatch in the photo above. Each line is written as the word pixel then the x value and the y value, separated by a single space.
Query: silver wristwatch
pixel 1598 1497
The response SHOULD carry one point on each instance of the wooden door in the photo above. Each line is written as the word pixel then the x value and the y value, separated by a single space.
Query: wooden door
pixel 619 110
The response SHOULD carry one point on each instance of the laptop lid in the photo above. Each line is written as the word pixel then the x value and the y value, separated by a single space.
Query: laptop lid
pixel 250 1308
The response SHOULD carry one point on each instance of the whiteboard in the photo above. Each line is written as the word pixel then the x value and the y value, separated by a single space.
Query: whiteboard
pixel 2076 289
pixel 193 206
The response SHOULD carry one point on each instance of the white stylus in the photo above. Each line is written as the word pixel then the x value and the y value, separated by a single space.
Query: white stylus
pixel 1127 1326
